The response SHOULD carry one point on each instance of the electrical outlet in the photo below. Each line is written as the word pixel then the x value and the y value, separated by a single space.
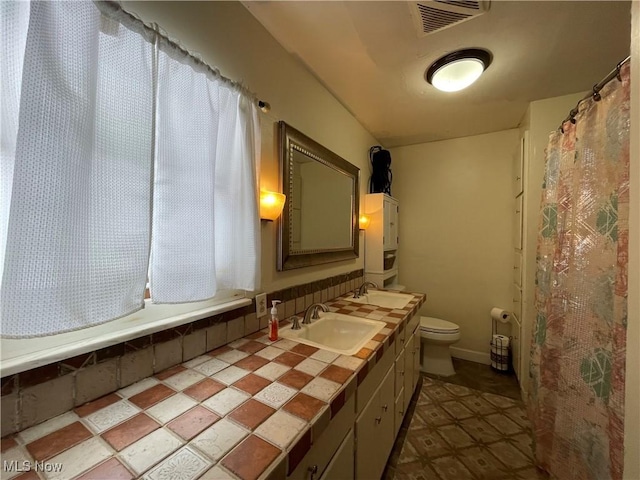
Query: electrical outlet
pixel 261 305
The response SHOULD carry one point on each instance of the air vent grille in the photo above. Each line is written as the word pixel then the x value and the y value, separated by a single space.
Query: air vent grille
pixel 434 19
pixel 434 15
pixel 461 3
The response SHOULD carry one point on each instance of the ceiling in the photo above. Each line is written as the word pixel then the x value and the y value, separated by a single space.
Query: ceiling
pixel 372 57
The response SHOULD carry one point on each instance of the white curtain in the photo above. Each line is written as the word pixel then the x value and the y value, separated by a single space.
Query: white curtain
pixel 120 147
pixel 236 193
pixel 14 22
pixel 205 217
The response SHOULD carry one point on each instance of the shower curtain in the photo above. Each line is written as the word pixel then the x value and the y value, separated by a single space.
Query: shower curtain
pixel 577 369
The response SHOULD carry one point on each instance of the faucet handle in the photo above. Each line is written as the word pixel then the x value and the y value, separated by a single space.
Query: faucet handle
pixel 296 323
pixel 315 314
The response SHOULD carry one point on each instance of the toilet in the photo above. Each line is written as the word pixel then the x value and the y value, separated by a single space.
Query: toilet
pixel 436 336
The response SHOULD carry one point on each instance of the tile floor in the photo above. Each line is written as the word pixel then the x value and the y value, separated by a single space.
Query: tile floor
pixel 472 428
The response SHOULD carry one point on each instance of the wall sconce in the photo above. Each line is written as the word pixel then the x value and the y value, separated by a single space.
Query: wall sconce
pixel 271 204
pixel 364 222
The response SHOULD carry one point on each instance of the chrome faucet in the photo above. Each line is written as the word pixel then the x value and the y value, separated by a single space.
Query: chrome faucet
pixel 363 289
pixel 312 312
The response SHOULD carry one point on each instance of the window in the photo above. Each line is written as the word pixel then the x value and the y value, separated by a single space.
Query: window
pixel 125 157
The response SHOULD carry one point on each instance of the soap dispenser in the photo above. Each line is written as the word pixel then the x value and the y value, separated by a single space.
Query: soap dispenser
pixel 273 322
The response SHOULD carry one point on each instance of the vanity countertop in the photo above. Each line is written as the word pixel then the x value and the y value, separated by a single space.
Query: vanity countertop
pixel 248 410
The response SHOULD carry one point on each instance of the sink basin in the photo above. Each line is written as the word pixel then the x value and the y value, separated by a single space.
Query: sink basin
pixel 335 332
pixel 385 299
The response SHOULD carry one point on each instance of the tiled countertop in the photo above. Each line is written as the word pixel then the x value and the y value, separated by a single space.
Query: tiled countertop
pixel 248 410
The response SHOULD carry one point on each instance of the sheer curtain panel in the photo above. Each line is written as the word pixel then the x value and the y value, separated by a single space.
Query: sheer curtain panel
pixel 77 240
pixel 205 215
pixel 14 21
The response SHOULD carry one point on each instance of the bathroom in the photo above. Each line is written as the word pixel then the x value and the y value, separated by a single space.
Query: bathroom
pixel 455 199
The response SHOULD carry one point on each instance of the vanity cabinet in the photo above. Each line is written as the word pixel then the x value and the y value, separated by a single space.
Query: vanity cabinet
pixel 381 239
pixel 331 455
pixel 375 431
pixel 358 440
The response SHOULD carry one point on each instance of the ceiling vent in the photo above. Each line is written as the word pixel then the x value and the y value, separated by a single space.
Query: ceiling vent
pixel 434 15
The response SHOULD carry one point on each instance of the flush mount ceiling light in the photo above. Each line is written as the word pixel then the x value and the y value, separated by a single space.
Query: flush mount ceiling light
pixel 458 70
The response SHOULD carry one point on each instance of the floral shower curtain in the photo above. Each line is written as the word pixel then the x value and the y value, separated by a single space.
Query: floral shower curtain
pixel 577 371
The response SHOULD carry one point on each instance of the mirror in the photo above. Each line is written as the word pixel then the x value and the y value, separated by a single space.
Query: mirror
pixel 319 223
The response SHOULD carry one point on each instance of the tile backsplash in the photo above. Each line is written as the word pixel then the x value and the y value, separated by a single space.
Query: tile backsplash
pixel 33 396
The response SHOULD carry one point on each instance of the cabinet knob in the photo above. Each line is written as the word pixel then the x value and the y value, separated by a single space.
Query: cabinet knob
pixel 313 470
pixel 401 373
pixel 385 408
pixel 378 420
pixel 517 178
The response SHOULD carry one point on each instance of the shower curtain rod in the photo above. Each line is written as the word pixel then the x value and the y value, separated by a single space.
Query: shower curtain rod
pixel 595 92
pixel 113 9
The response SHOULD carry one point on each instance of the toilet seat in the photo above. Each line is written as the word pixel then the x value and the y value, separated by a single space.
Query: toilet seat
pixel 436 325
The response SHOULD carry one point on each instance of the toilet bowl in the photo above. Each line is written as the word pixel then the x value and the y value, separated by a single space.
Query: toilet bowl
pixel 436 336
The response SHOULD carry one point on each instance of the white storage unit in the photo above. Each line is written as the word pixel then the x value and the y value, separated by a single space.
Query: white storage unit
pixel 381 239
pixel 519 167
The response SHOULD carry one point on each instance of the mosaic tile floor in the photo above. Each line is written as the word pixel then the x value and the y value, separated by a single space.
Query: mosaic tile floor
pixel 456 432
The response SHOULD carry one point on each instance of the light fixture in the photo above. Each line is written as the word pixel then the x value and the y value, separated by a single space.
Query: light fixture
pixel 264 106
pixel 364 222
pixel 271 204
pixel 458 70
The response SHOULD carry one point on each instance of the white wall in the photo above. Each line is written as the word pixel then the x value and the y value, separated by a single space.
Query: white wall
pixel 228 37
pixel 456 230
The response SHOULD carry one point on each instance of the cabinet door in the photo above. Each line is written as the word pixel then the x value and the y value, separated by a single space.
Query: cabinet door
pixel 416 360
pixel 369 449
pixel 399 373
pixel 515 348
pixel 517 223
pixel 399 342
pixel 519 165
pixel 390 211
pixel 375 431
pixel 386 434
pixel 408 369
pixel 517 301
pixel 342 464
pixel 399 410
pixel 517 268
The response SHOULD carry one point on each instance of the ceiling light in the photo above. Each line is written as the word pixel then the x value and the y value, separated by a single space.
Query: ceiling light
pixel 458 70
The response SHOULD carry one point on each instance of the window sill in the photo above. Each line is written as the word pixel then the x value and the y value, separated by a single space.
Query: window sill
pixel 19 355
